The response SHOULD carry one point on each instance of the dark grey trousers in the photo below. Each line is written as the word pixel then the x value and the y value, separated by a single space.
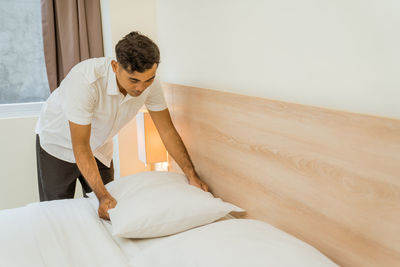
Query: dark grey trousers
pixel 57 178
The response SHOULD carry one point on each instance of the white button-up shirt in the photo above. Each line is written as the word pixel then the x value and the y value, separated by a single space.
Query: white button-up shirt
pixel 89 95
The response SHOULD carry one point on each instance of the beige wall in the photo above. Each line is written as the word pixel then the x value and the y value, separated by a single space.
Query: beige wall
pixel 336 54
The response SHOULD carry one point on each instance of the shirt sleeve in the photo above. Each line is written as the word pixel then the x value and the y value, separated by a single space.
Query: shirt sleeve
pixel 155 100
pixel 78 98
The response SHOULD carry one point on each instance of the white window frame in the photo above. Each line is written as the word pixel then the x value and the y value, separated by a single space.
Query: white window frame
pixel 18 110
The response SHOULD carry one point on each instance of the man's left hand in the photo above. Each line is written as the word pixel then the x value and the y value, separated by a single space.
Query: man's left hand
pixel 195 180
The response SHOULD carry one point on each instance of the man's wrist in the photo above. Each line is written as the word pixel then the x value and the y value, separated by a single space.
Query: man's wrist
pixel 191 174
pixel 104 194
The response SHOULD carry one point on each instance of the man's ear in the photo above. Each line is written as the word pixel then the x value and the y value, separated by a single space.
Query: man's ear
pixel 114 65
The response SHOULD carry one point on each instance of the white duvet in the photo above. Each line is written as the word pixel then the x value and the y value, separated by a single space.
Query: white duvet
pixel 57 233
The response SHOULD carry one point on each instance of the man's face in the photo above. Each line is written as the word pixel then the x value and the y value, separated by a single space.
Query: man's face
pixel 133 83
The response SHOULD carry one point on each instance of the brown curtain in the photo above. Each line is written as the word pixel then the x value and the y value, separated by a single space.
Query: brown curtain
pixel 71 33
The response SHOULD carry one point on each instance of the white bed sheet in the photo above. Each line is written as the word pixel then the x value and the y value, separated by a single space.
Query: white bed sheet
pixel 57 233
pixel 131 247
pixel 65 233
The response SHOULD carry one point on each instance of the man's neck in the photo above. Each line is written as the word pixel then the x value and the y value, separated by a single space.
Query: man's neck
pixel 122 90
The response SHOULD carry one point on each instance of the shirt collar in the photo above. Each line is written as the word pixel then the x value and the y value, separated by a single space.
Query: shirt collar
pixel 112 87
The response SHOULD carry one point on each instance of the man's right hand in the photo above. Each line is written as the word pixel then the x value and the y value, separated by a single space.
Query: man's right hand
pixel 105 204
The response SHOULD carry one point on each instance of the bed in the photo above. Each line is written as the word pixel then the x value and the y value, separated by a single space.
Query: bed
pixel 160 220
pixel 294 185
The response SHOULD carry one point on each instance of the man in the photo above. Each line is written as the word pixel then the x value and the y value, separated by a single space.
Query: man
pixel 94 101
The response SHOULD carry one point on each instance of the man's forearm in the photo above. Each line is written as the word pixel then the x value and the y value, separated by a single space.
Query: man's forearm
pixel 174 144
pixel 88 167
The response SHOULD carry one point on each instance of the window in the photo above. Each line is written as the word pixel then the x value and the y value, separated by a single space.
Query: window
pixel 23 76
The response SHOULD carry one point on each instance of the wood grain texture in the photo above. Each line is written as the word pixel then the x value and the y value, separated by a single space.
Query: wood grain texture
pixel 330 178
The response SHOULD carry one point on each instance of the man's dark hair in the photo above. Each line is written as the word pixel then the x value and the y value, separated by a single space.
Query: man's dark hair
pixel 136 52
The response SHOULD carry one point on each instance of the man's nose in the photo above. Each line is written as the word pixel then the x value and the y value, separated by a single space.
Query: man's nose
pixel 141 87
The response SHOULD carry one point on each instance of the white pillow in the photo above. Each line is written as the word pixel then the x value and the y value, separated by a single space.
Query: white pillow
pixel 121 186
pixel 154 204
pixel 234 243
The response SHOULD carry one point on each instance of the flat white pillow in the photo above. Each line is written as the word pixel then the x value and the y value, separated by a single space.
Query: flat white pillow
pixel 155 204
pixel 234 243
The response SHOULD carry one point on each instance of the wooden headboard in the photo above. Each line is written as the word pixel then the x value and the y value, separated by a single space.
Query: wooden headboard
pixel 330 178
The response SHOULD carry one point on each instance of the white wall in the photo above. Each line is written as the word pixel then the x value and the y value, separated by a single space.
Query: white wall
pixel 18 162
pixel 336 54
pixel 18 176
pixel 124 16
